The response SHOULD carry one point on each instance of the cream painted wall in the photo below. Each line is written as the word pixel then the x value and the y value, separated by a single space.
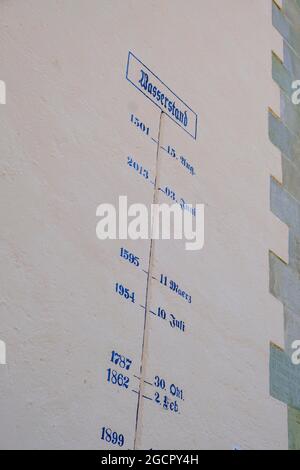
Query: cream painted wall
pixel 65 137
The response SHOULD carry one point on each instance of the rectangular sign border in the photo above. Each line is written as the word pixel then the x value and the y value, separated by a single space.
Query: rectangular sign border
pixel 152 101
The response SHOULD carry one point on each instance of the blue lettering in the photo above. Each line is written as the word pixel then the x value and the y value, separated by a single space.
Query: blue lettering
pixel 144 80
pixel 185 119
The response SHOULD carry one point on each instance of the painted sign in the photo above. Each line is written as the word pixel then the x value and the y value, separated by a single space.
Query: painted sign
pixel 153 88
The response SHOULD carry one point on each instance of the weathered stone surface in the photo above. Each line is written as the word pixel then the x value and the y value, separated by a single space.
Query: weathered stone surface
pixel 291 177
pixel 291 60
pixel 290 114
pixel 281 136
pixel 285 206
pixel 284 378
pixel 291 10
pixel 285 203
pixel 294 428
pixel 292 328
pixel 285 28
pixel 284 283
pixel 281 75
pixel 294 254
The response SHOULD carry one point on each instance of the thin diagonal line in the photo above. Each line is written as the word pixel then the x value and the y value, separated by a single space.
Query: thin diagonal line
pixel 149 277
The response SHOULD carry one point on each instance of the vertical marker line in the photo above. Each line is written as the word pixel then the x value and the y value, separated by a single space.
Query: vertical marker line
pixel 149 278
